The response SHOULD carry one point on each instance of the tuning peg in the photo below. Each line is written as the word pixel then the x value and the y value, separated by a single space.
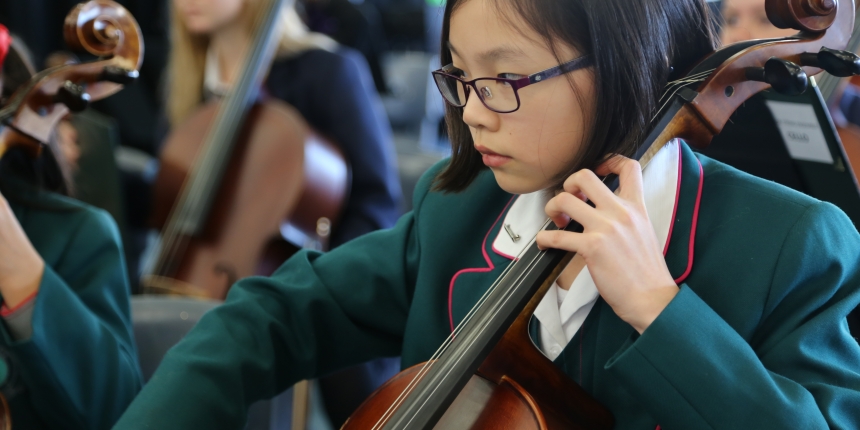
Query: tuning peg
pixel 784 76
pixel 841 64
pixel 118 75
pixel 73 96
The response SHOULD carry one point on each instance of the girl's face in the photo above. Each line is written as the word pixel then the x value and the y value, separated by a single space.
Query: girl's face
pixel 204 17
pixel 527 149
pixel 746 20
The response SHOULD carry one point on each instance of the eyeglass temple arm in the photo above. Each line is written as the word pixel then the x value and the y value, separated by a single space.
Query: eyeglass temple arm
pixel 552 72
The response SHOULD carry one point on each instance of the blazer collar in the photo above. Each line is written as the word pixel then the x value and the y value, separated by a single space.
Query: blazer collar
pixel 682 238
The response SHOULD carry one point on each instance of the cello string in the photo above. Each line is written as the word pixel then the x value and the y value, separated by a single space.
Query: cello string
pixel 200 185
pixel 458 329
pixel 188 203
pixel 191 194
pixel 197 186
pixel 482 327
pixel 413 384
pixel 673 87
pixel 450 338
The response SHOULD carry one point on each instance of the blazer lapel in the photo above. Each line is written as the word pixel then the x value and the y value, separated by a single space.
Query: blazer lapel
pixel 682 238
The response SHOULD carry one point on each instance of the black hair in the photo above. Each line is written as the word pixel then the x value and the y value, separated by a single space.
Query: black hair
pixel 47 172
pixel 637 46
pixel 43 173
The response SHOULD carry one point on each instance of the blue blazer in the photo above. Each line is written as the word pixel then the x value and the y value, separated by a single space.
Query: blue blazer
pixel 335 94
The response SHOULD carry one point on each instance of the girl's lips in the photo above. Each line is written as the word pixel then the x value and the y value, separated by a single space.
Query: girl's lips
pixel 490 158
pixel 494 160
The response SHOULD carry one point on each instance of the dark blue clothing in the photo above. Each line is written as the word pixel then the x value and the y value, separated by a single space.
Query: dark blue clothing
pixel 335 94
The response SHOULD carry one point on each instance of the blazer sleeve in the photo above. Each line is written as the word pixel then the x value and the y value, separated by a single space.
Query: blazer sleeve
pixel 317 313
pixel 801 369
pixel 80 365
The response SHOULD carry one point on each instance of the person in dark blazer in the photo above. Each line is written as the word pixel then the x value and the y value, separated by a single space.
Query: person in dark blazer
pixel 700 296
pixel 331 88
pixel 67 352
pixel 333 92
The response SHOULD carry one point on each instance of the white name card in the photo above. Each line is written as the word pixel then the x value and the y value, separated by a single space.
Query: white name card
pixel 801 131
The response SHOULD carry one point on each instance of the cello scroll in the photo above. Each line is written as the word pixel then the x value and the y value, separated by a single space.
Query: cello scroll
pixel 102 28
pixel 730 84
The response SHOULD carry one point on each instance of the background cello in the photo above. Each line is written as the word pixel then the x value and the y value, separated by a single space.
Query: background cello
pixel 258 166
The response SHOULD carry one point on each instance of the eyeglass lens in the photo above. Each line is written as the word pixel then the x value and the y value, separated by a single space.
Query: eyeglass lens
pixel 496 95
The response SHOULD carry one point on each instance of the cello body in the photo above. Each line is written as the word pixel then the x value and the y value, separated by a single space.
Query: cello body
pixel 234 176
pixel 280 174
pixel 516 387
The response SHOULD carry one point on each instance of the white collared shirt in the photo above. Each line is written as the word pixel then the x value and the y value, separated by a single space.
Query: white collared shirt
pixel 212 82
pixel 562 312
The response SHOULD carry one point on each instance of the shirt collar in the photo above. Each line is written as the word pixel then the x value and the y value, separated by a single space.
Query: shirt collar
pixel 212 82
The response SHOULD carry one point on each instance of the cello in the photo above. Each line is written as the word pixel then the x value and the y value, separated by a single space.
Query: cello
pixel 236 176
pixel 100 27
pixel 488 374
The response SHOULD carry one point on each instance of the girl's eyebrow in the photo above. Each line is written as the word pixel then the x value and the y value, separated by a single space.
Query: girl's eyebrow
pixel 503 52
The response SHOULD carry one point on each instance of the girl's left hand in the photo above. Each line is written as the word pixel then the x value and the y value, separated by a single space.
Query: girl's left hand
pixel 618 242
pixel 21 267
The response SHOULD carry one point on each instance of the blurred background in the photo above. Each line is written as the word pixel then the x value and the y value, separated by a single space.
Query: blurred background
pixel 115 145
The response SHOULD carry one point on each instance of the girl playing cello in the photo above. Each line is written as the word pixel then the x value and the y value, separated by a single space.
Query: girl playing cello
pixel 67 353
pixel 699 297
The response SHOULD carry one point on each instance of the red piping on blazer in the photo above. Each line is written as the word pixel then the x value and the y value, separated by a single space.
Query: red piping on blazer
pixel 490 266
pixel 693 226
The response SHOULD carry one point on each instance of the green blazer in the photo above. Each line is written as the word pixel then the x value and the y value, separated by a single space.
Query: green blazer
pixel 756 338
pixel 79 368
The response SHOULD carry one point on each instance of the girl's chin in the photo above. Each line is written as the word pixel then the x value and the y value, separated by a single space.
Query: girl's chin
pixel 198 27
pixel 516 184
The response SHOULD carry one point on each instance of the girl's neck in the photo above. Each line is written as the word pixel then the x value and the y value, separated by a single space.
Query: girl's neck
pixel 230 44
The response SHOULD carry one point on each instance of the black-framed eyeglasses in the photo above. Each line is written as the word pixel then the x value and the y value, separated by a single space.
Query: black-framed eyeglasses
pixel 498 94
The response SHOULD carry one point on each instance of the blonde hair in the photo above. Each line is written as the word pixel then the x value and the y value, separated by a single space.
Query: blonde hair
pixel 187 62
